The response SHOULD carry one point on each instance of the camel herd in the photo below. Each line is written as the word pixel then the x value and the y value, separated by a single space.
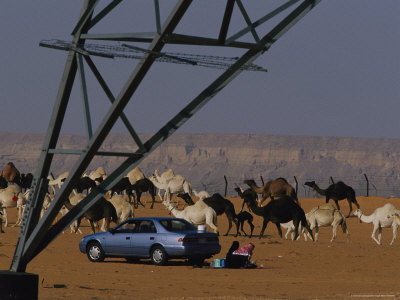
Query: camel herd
pixel 119 203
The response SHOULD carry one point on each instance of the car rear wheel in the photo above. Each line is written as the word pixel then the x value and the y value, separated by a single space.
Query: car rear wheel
pixel 158 256
pixel 95 252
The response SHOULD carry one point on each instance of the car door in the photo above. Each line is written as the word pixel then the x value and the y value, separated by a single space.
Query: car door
pixel 143 238
pixel 119 242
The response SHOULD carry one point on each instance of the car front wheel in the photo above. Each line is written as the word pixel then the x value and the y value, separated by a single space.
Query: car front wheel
pixel 94 252
pixel 158 256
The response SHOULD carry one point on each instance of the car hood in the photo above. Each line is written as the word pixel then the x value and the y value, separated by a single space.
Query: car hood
pixel 97 235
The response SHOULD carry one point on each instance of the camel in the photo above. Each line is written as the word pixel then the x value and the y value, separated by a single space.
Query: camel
pixel 12 197
pixel 201 195
pixel 186 198
pixel 280 210
pixel 290 227
pixel 381 217
pixel 220 205
pixel 98 173
pixel 165 177
pixel 337 191
pixel 142 186
pixel 242 217
pixel 48 198
pixel 26 181
pixel 135 175
pixel 197 214
pixel 326 215
pixel 102 209
pixel 84 183
pixel 57 181
pixel 11 174
pixel 123 207
pixel 273 189
pixel 123 185
pixel 174 186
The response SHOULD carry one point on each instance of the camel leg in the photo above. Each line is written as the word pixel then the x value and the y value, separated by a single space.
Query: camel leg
pixel 78 223
pixel 251 228
pixel 265 222
pixel 240 223
pixel 138 195
pixel 279 229
pixel 106 224
pixel 289 230
pixel 5 217
pixel 394 226
pixel 92 225
pixel 351 208
pixel 1 225
pixel 334 228
pixel 153 198
pixel 337 204
pixel 379 235
pixel 230 219
pixel 309 229
pixel 229 226
pixel 212 222
pixel 373 234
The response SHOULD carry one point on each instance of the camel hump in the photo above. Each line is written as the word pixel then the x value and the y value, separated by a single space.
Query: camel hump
pixel 9 172
pixel 282 179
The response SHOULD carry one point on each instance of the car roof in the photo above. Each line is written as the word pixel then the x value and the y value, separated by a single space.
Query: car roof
pixel 154 218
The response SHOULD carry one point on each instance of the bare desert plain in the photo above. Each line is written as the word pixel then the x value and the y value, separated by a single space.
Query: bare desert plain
pixel 348 268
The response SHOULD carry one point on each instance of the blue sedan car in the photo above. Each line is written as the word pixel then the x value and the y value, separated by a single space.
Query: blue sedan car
pixel 157 238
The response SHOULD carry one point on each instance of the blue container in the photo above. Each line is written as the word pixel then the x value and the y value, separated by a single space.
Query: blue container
pixel 219 263
pixel 223 263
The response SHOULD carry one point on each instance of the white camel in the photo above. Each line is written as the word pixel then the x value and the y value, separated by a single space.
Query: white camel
pixel 197 214
pixel 201 195
pixel 321 216
pixel 12 197
pixel 57 181
pixel 176 185
pixel 122 206
pixel 135 175
pixel 381 217
pixel 98 173
pixel 166 177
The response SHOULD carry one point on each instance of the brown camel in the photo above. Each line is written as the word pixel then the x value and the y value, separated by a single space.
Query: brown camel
pixel 337 191
pixel 102 209
pixel 273 189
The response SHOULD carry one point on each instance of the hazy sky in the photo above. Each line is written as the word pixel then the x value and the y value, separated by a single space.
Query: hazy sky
pixel 335 73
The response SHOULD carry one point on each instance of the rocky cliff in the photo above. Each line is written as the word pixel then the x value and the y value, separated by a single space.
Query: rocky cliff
pixel 204 159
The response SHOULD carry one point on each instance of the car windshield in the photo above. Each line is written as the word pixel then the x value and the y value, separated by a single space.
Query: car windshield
pixel 177 225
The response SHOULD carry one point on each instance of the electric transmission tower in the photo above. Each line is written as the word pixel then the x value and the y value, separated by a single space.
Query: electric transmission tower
pixel 36 234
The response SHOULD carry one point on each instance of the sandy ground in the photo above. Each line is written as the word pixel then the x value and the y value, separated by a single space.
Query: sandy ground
pixel 354 268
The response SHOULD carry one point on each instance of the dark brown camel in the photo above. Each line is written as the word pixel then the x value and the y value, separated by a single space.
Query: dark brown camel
pixel 142 186
pixel 337 191
pixel 273 189
pixel 281 210
pixel 242 217
pixel 102 209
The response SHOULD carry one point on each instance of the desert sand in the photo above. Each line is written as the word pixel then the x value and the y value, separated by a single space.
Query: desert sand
pixel 348 268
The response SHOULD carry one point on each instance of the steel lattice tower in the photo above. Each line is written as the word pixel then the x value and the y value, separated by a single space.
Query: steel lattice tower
pixel 36 234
